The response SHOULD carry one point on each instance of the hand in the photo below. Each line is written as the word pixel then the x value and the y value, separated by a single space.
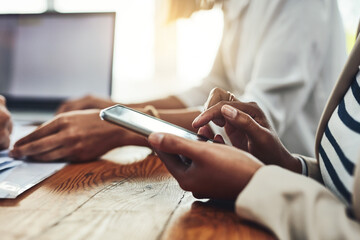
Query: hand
pixel 87 102
pixel 217 171
pixel 5 125
pixel 217 95
pixel 249 130
pixel 75 136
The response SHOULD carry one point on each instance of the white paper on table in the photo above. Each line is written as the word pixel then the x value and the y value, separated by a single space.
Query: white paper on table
pixel 25 176
pixel 19 178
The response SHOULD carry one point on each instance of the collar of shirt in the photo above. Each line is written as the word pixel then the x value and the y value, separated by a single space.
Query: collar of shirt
pixel 233 8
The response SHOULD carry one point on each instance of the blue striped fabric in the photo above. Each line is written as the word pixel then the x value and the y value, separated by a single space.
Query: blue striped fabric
pixel 347 119
pixel 334 176
pixel 349 166
pixel 339 148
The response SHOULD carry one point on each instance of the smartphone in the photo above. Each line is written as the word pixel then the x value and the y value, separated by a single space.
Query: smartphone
pixel 145 124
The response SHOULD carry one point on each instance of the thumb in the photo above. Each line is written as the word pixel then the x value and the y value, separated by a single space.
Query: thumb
pixel 216 95
pixel 243 121
pixel 168 147
pixel 170 143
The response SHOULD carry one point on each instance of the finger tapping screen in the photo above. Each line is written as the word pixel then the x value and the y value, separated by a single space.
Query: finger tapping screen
pixel 56 55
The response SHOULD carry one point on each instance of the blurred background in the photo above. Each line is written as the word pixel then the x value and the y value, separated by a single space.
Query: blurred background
pixel 152 57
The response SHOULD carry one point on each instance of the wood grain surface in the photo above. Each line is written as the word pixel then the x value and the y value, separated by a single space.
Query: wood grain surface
pixel 111 200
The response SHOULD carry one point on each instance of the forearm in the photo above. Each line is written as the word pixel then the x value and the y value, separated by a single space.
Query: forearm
pixel 300 208
pixel 180 117
pixel 170 102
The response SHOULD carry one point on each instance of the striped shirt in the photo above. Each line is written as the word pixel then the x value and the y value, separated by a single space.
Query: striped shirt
pixel 340 145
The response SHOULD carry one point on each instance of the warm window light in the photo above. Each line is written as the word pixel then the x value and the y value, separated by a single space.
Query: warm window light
pixel 198 39
pixel 135 41
pixel 22 6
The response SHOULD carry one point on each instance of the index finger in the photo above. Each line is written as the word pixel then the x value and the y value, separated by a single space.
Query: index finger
pixel 44 130
pixel 173 163
pixel 216 95
pixel 64 107
pixel 41 146
pixel 212 114
pixel 167 146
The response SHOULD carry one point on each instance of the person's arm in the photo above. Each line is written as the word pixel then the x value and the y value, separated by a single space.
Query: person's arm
pixel 180 117
pixel 295 207
pixel 92 102
pixel 292 206
pixel 5 124
pixel 76 137
pixel 171 109
pixel 170 102
pixel 82 136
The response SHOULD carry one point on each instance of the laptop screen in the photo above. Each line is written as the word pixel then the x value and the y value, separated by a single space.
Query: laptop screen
pixel 55 56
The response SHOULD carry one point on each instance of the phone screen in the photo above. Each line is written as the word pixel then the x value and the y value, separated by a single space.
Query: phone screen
pixel 145 124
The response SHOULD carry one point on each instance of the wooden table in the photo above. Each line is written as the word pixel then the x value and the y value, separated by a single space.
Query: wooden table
pixel 110 199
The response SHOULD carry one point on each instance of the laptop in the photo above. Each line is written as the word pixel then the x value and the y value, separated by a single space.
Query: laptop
pixel 49 57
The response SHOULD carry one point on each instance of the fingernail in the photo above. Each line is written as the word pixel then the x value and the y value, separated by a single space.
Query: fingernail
pixel 201 131
pixel 156 138
pixel 229 111
pixel 196 119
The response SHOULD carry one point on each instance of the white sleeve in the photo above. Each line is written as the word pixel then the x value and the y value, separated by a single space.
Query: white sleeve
pixel 297 208
pixel 289 61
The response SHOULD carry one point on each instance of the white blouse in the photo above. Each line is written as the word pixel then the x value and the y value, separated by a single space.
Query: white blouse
pixel 283 54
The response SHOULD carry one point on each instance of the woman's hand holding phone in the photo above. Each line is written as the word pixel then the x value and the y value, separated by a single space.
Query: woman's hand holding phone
pixel 217 171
